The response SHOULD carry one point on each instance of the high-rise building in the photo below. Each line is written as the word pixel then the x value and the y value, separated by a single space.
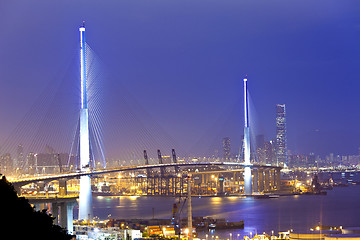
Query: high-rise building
pixel 226 148
pixel 260 149
pixel 6 164
pixel 281 145
pixel 268 149
pixel 19 159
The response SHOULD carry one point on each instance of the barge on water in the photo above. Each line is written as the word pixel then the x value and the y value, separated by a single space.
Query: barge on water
pixel 202 223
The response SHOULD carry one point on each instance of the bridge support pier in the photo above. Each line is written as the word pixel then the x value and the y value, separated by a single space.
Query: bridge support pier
pixel 261 179
pixel 247 181
pixel 267 180
pixel 255 180
pixel 55 212
pixel 63 214
pixel 42 185
pixel 85 198
pixel 272 179
pixel 277 177
pixel 221 185
pixel 70 216
pixel 62 187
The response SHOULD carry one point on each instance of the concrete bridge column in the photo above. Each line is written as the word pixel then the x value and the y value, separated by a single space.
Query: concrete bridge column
pixel 272 179
pixel 255 180
pixel 70 216
pixel 201 184
pixel 278 182
pixel 85 198
pixel 63 214
pixel 267 180
pixel 66 216
pixel 247 181
pixel 202 179
pixel 221 180
pixel 55 212
pixel 261 179
pixel 41 185
pixel 62 187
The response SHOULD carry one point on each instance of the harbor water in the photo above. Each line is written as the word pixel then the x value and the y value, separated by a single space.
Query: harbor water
pixel 341 206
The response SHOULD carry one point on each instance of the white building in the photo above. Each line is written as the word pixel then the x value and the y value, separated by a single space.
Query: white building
pixel 113 233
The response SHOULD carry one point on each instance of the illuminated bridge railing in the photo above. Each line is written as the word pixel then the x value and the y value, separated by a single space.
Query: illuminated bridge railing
pixel 24 181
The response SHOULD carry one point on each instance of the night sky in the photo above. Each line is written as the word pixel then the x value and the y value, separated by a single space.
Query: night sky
pixel 182 62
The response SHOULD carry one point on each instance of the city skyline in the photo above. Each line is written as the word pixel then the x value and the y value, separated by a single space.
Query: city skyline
pixel 188 79
pixel 216 105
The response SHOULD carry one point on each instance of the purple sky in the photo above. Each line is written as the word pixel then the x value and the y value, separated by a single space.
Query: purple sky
pixel 183 62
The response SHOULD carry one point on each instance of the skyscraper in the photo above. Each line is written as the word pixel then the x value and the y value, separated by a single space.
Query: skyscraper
pixel 19 160
pixel 281 145
pixel 260 149
pixel 269 152
pixel 226 148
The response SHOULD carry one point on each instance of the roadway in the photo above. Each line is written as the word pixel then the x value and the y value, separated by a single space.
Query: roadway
pixel 49 178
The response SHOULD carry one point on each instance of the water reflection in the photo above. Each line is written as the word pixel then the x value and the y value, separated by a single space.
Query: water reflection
pixel 340 207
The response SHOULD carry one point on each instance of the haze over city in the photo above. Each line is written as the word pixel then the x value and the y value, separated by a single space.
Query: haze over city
pixel 183 63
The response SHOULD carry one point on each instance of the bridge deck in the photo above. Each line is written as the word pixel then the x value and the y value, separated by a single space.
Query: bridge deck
pixel 25 181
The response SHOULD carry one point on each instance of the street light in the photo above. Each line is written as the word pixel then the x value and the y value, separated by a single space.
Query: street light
pixel 230 236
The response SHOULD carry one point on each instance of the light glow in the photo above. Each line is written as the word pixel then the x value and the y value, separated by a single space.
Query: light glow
pixel 85 197
pixel 247 170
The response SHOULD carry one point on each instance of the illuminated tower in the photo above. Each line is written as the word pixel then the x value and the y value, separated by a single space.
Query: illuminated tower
pixel 226 148
pixel 85 198
pixel 247 170
pixel 281 146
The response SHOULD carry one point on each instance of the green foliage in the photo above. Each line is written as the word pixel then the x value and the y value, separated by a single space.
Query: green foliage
pixel 19 220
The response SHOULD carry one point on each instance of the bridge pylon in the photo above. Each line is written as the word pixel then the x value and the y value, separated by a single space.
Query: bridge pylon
pixel 85 197
pixel 247 169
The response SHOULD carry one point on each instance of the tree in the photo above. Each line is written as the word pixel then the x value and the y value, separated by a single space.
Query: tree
pixel 19 220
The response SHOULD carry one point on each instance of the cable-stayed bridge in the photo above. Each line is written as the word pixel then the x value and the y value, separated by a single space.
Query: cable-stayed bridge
pixel 81 123
pixel 264 176
pixel 24 181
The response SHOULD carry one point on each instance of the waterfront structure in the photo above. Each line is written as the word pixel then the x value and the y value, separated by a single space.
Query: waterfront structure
pixel 281 145
pixel 91 232
pixel 247 169
pixel 226 147
pixel 85 198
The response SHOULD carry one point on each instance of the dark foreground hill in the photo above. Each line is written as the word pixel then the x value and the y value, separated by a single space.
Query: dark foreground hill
pixel 19 220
